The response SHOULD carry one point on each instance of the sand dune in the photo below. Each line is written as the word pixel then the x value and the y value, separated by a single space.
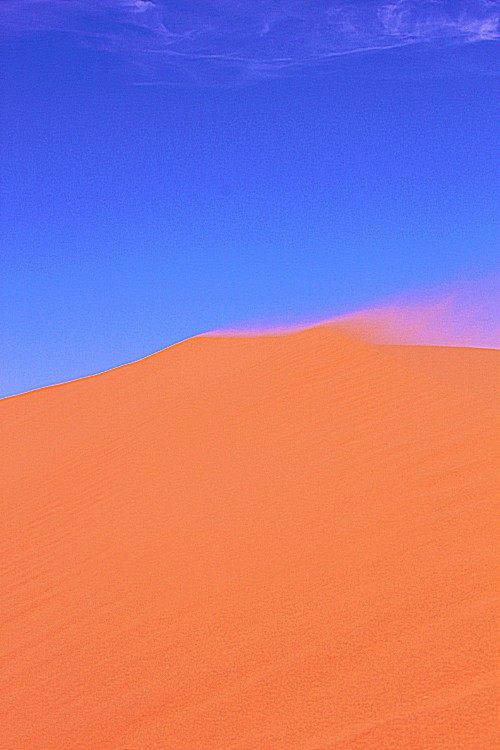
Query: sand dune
pixel 278 542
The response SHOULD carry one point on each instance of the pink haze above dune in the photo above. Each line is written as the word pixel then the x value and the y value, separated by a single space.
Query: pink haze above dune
pixel 465 313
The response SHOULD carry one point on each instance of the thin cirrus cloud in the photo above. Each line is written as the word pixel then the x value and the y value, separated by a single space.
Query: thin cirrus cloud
pixel 214 40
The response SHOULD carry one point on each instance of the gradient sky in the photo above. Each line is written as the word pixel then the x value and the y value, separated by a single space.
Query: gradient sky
pixel 168 168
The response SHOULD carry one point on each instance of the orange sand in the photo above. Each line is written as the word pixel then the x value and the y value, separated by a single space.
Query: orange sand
pixel 282 542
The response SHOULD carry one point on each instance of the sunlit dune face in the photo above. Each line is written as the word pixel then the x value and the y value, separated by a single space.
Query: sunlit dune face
pixel 253 542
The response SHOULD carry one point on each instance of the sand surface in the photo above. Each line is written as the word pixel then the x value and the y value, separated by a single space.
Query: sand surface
pixel 242 543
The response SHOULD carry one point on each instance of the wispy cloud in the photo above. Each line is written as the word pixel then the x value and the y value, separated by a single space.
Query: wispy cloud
pixel 210 40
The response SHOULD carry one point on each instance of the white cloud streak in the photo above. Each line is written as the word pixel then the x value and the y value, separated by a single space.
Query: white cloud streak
pixel 239 40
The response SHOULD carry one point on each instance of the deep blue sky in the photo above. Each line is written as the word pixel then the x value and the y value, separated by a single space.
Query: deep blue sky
pixel 151 192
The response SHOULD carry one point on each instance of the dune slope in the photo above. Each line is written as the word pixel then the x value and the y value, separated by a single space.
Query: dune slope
pixel 282 542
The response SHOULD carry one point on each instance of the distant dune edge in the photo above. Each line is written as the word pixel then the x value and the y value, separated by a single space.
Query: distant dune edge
pixel 278 542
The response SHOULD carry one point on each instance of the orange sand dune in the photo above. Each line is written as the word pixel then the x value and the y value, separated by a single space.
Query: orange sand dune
pixel 282 542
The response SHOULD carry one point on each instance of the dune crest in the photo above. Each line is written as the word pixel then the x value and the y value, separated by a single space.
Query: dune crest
pixel 281 542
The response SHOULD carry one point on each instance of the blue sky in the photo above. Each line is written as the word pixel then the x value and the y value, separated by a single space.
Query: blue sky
pixel 171 168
